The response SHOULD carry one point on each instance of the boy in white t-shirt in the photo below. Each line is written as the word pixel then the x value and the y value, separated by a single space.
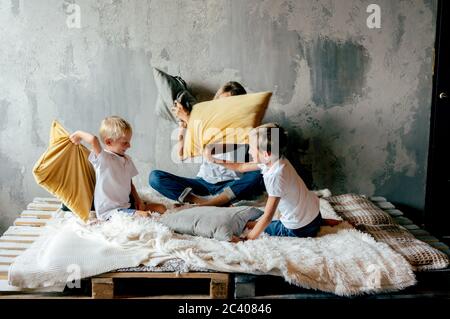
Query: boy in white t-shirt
pixel 298 206
pixel 114 170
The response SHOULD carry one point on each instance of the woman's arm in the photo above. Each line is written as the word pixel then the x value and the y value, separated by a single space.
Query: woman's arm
pixel 181 133
pixel 182 115
pixel 264 221
pixel 78 136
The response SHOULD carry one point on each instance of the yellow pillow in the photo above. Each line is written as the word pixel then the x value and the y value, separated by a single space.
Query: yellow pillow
pixel 65 171
pixel 224 121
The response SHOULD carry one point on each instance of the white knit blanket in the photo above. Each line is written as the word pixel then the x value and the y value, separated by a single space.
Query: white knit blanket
pixel 340 260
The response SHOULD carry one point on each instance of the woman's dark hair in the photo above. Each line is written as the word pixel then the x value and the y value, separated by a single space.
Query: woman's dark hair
pixel 234 88
pixel 184 98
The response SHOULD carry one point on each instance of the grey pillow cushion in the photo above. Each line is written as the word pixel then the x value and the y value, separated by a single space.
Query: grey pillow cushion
pixel 168 88
pixel 220 223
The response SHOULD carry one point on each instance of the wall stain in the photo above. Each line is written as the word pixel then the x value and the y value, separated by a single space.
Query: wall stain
pixel 338 71
pixel 67 65
pixel 15 7
pixel 4 106
pixel 164 54
pixel 30 91
pixel 398 34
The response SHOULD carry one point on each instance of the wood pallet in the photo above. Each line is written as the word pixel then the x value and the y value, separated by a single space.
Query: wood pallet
pixel 27 228
pixel 218 287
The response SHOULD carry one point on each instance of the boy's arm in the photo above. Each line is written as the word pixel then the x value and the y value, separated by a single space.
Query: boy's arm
pixel 78 136
pixel 264 221
pixel 239 167
pixel 218 149
pixel 137 200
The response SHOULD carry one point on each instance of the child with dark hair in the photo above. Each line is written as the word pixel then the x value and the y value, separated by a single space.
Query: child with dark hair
pixel 298 206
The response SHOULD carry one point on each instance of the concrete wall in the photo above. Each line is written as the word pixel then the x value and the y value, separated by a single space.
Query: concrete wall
pixel 356 101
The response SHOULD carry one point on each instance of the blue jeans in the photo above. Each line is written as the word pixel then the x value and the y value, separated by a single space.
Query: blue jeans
pixel 128 211
pixel 276 228
pixel 248 186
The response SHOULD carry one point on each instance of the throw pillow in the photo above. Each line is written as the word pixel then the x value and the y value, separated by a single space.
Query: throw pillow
pixel 224 121
pixel 169 88
pixel 64 171
pixel 220 223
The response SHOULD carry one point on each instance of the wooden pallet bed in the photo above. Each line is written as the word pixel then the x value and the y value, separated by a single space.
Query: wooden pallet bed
pixel 32 221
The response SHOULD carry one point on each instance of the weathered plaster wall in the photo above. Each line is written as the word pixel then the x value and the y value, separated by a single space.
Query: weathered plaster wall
pixel 356 101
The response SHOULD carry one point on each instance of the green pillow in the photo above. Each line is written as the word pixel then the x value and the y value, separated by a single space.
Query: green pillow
pixel 220 223
pixel 169 87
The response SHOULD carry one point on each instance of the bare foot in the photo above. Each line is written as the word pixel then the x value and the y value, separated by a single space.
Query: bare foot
pixel 191 198
pixel 236 239
pixel 331 222
pixel 153 207
pixel 142 213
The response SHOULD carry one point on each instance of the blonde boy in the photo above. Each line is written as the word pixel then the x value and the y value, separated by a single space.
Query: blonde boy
pixel 114 170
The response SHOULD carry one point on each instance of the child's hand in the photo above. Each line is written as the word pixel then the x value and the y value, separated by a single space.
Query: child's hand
pixel 75 138
pixel 142 213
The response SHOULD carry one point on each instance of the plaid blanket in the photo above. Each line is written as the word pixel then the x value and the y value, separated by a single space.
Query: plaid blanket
pixel 369 218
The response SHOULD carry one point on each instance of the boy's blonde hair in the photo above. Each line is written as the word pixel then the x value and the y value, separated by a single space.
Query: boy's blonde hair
pixel 270 137
pixel 114 127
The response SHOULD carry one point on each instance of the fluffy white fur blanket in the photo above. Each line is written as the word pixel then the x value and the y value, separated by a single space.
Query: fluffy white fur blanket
pixel 340 260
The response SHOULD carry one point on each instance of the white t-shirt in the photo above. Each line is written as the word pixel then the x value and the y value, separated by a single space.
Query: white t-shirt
pixel 215 173
pixel 298 206
pixel 113 175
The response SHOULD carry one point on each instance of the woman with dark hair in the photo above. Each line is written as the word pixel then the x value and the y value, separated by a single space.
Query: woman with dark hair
pixel 214 185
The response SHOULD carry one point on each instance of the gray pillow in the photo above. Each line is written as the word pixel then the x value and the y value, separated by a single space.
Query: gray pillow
pixel 220 223
pixel 169 87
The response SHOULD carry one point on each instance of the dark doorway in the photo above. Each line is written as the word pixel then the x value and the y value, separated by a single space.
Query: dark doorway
pixel 437 214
